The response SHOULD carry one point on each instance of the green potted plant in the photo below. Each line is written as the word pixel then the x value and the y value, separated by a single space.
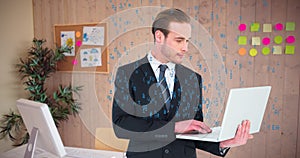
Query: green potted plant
pixel 40 63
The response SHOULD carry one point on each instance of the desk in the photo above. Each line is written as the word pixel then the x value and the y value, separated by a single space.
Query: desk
pixel 71 153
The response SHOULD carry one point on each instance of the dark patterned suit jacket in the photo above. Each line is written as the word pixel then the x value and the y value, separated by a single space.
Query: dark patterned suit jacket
pixel 139 113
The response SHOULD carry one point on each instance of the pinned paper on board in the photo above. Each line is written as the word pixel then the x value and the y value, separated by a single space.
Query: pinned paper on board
pixel 90 57
pixel 242 40
pixel 289 49
pixel 267 27
pixel 255 41
pixel 277 50
pixel 290 26
pixel 93 35
pixel 253 52
pixel 255 27
pixel 67 38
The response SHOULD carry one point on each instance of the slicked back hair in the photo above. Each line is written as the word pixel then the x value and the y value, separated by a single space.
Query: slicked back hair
pixel 164 18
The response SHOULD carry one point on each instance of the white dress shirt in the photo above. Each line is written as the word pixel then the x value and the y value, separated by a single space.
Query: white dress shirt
pixel 169 74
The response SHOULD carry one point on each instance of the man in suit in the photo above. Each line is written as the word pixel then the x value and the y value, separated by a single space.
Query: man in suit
pixel 157 97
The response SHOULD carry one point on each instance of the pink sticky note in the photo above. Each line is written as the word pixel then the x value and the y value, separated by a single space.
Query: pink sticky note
pixel 266 41
pixel 279 26
pixel 78 43
pixel 75 62
pixel 242 27
pixel 290 39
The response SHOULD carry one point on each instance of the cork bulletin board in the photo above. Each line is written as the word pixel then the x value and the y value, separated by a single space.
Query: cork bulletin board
pixel 88 43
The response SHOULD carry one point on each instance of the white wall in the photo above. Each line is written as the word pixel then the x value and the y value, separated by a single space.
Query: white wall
pixel 16 31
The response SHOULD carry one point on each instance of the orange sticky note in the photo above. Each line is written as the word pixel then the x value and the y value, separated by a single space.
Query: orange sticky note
pixel 242 51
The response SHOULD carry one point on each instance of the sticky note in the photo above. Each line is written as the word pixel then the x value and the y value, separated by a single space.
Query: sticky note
pixel 279 26
pixel 267 27
pixel 290 39
pixel 266 41
pixel 277 50
pixel 265 51
pixel 242 51
pixel 289 49
pixel 242 27
pixel 290 26
pixel 254 27
pixel 278 39
pixel 253 52
pixel 242 40
pixel 255 41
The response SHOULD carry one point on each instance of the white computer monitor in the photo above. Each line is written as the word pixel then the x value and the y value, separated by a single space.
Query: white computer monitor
pixel 41 127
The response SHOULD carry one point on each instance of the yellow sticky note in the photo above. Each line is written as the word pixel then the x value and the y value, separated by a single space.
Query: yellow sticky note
pixel 267 27
pixel 255 41
pixel 277 50
pixel 289 49
pixel 253 52
pixel 290 26
pixel 242 40
pixel 254 27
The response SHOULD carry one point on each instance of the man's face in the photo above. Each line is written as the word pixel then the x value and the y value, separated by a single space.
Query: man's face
pixel 175 45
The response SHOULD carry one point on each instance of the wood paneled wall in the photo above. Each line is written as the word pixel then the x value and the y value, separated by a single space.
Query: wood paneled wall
pixel 280 129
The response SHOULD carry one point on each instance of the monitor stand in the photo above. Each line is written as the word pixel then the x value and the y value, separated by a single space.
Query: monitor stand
pixel 31 143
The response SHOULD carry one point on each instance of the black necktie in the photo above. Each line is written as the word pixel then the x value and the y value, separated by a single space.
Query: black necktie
pixel 163 85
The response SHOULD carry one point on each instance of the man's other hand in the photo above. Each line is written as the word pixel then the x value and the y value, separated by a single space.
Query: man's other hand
pixel 241 137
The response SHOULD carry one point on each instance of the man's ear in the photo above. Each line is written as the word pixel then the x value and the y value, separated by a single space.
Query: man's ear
pixel 159 36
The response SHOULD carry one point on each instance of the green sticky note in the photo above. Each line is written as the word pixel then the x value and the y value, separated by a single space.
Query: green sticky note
pixel 242 40
pixel 267 27
pixel 254 27
pixel 255 41
pixel 266 51
pixel 278 39
pixel 277 50
pixel 289 49
pixel 290 26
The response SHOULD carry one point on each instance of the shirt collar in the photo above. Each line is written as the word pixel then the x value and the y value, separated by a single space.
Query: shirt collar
pixel 155 63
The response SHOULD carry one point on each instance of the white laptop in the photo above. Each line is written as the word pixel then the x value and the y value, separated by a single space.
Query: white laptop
pixel 242 104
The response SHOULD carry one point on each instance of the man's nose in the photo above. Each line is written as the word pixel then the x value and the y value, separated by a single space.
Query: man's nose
pixel 185 46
